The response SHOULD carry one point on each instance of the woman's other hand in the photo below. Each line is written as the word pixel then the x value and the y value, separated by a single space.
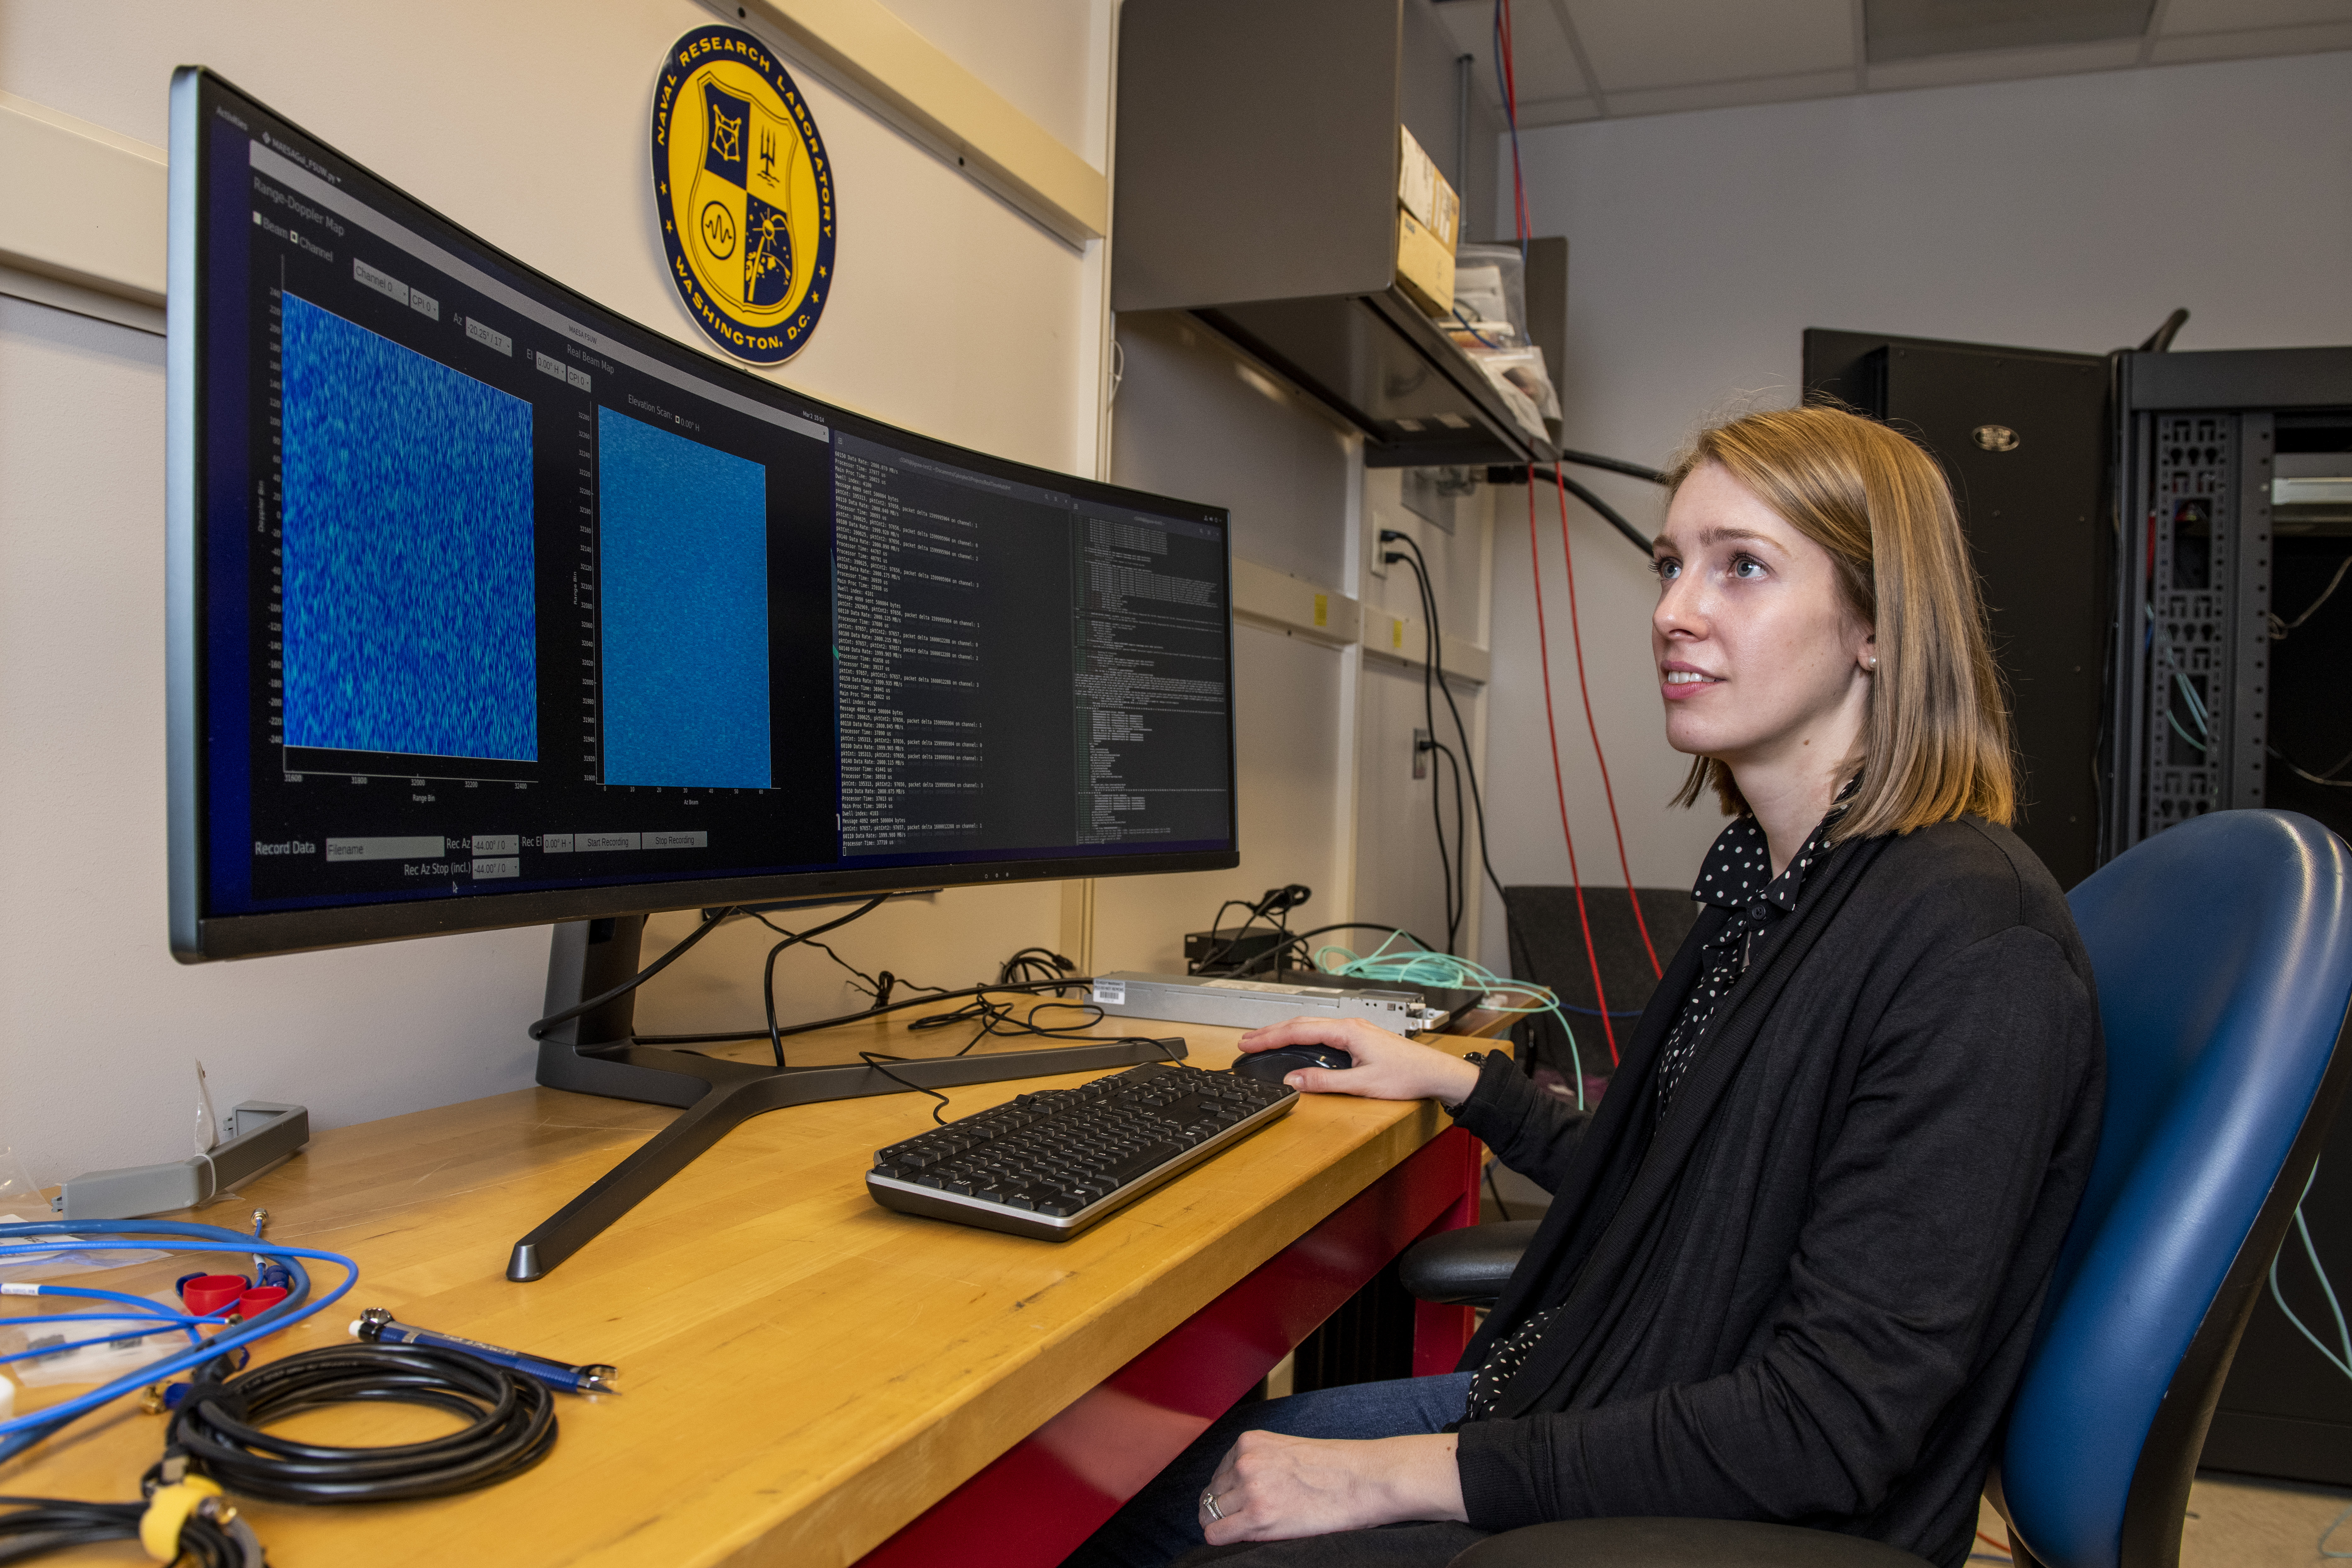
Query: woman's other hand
pixel 1388 1066
pixel 1270 1487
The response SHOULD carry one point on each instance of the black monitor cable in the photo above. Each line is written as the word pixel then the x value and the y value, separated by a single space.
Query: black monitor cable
pixel 1433 660
pixel 709 923
pixel 768 974
pixel 728 1036
pixel 1460 890
pixel 878 986
pixel 1036 964
pixel 1433 670
pixel 1275 902
pixel 997 1018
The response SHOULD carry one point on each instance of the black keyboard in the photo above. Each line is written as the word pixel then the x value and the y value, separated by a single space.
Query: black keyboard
pixel 1052 1163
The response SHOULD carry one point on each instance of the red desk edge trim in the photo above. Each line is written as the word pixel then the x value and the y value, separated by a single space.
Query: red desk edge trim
pixel 1035 1504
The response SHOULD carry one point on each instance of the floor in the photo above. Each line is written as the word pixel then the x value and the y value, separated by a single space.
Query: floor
pixel 2239 1521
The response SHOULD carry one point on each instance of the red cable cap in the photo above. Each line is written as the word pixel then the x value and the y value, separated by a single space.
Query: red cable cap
pixel 208 1293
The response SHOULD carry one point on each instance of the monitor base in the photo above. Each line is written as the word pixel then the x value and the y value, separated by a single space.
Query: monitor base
pixel 590 957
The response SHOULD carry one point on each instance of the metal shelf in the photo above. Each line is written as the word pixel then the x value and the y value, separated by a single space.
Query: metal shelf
pixel 1381 364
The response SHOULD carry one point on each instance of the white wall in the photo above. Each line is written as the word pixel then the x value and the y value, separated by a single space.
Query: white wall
pixel 526 122
pixel 1324 734
pixel 2066 213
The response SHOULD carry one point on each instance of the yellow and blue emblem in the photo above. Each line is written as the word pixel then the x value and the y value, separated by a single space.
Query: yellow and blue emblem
pixel 743 192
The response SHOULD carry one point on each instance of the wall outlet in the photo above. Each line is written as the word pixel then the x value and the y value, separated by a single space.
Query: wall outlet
pixel 1421 753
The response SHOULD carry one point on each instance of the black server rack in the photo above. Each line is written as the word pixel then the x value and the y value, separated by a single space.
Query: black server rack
pixel 2234 636
pixel 2225 461
pixel 2023 435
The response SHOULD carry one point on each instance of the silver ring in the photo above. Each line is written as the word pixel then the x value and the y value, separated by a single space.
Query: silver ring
pixel 1209 1501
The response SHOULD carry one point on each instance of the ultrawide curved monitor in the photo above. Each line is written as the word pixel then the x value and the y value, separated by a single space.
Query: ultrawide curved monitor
pixel 490 608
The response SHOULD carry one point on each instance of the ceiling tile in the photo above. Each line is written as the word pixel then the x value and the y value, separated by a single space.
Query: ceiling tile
pixel 2236 15
pixel 1557 111
pixel 1916 29
pixel 2252 45
pixel 1731 94
pixel 1636 44
pixel 1540 57
pixel 2005 65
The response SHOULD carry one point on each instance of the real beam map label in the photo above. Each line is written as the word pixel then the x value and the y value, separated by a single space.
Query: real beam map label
pixel 743 192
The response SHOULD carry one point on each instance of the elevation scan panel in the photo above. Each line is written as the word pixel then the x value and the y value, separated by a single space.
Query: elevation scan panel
pixel 682 636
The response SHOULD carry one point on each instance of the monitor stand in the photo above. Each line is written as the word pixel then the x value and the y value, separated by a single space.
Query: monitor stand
pixel 597 1053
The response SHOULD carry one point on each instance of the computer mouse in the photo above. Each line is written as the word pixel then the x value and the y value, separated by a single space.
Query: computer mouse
pixel 1274 1065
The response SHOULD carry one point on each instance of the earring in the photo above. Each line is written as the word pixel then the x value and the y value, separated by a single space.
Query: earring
pixel 1874 661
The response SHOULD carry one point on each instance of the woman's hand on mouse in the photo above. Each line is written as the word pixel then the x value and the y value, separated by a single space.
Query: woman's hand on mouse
pixel 1388 1066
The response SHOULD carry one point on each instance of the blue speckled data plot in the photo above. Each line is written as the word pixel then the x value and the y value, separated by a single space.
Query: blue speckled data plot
pixel 682 546
pixel 410 625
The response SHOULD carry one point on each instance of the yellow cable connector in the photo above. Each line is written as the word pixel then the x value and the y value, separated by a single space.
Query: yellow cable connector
pixel 167 1510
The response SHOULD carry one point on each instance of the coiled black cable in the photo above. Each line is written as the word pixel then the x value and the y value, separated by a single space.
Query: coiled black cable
pixel 509 1426
pixel 34 1526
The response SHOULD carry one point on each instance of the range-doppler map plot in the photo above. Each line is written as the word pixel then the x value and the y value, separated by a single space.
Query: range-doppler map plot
pixel 409 620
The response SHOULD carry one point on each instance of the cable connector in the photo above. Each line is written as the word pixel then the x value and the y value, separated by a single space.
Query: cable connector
pixel 168 1511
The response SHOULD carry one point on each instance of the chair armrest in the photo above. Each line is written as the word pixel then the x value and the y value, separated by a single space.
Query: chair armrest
pixel 1466 1267
pixel 1680 1544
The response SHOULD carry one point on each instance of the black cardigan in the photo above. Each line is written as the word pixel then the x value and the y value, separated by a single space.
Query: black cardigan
pixel 1807 1294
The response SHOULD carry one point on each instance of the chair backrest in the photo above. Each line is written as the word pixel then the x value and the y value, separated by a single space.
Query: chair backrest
pixel 2223 952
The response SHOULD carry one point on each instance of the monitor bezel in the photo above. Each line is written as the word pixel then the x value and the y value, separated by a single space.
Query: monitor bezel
pixel 198 937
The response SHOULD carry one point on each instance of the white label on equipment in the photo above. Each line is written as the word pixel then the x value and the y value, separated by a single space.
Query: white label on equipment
pixel 1110 992
pixel 1263 985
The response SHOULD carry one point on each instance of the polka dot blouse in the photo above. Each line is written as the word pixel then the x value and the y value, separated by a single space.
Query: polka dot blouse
pixel 1738 875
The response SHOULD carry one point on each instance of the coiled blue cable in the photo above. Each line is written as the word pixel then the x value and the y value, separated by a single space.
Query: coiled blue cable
pixel 22 1432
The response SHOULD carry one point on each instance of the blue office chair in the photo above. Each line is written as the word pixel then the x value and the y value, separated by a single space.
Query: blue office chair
pixel 2223 952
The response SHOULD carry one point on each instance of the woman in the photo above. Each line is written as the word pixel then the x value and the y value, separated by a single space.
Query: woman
pixel 1793 1263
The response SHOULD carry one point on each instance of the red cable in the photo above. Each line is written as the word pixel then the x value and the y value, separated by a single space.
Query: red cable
pixel 1577 633
pixel 1511 108
pixel 1543 637
pixel 1559 784
pixel 2000 1546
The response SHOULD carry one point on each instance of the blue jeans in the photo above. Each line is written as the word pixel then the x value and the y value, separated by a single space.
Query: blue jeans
pixel 1162 1521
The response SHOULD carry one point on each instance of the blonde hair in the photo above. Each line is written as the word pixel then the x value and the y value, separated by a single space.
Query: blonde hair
pixel 1935 742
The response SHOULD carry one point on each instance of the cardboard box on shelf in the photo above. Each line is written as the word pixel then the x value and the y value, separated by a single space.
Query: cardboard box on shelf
pixel 1424 267
pixel 1426 193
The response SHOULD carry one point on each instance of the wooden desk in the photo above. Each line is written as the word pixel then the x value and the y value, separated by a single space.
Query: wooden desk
pixel 808 1378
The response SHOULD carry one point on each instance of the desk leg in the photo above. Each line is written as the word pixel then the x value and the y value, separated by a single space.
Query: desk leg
pixel 1441 1333
pixel 1038 1500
